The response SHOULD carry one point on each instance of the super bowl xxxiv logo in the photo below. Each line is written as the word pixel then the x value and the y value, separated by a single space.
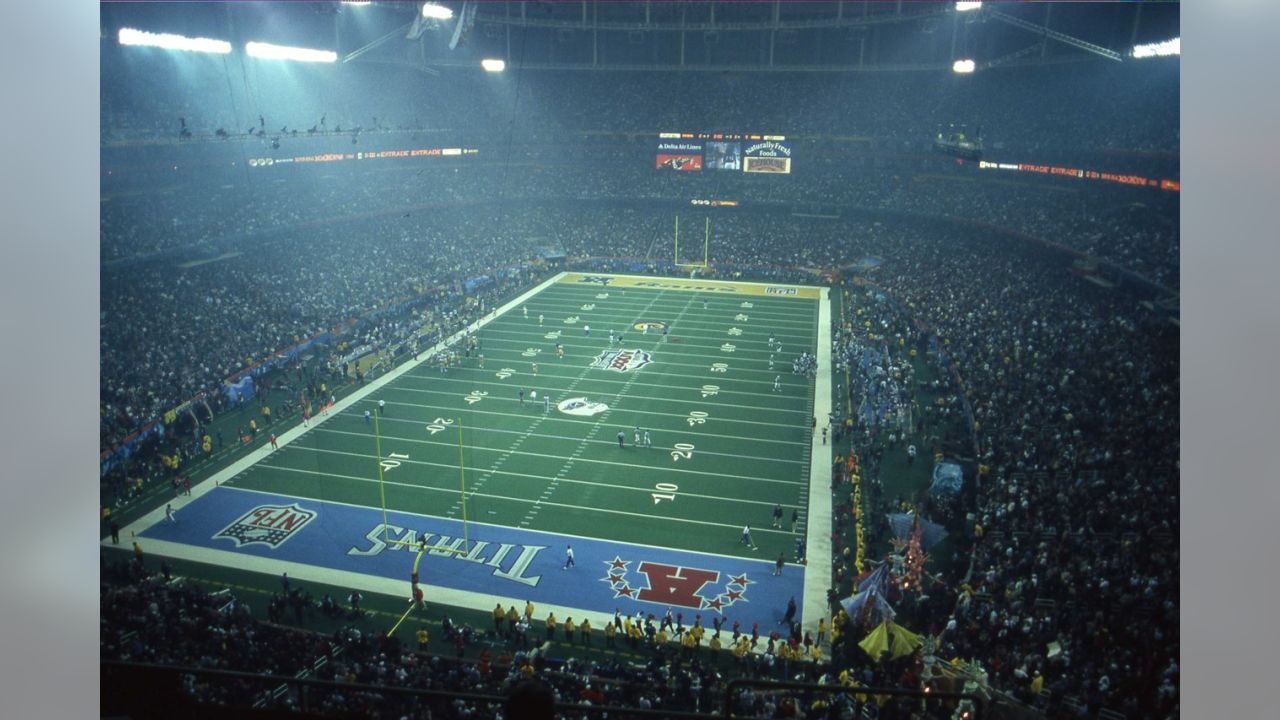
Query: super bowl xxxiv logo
pixel 645 326
pixel 269 525
pixel 673 585
pixel 621 360
pixel 597 279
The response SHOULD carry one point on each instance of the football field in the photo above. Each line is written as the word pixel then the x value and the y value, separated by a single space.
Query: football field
pixel 644 421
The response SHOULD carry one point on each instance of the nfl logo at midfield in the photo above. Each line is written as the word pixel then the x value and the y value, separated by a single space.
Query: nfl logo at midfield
pixel 269 525
pixel 621 360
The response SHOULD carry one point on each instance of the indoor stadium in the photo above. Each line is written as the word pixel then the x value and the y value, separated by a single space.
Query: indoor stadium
pixel 639 360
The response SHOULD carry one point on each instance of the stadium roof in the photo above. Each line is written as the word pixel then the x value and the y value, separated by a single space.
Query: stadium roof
pixel 678 36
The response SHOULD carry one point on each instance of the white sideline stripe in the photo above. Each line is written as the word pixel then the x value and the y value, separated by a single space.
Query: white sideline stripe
pixel 818 575
pixel 283 440
pixel 354 580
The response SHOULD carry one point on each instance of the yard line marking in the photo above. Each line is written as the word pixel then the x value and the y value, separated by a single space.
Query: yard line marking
pixel 569 391
pixel 581 422
pixel 771 406
pixel 595 508
pixel 595 426
pixel 575 454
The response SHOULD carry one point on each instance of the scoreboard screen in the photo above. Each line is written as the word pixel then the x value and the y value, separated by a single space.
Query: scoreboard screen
pixel 723 152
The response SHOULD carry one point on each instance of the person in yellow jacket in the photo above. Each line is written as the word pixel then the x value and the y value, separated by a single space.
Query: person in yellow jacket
pixel 715 643
pixel 513 617
pixel 528 611
pixel 423 637
pixel 609 631
pixel 569 627
pixel 585 631
pixel 498 614
pixel 551 626
pixel 687 643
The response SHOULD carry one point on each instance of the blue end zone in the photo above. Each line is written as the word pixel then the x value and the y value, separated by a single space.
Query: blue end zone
pixel 502 561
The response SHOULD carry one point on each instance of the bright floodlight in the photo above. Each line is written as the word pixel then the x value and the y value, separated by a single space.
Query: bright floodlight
pixel 967 6
pixel 963 66
pixel 129 36
pixel 1160 49
pixel 357 2
pixel 268 51
pixel 491 65
pixel 432 11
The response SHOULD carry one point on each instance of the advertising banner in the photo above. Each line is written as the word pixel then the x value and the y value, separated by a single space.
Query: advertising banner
pixel 767 157
pixel 682 163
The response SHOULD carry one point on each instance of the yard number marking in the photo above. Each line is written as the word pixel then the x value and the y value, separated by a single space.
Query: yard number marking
pixel 392 464
pixel 709 390
pixel 668 492
pixel 697 417
pixel 475 396
pixel 438 424
pixel 682 450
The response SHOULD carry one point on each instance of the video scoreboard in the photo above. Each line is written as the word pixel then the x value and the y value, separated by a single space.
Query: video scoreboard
pixel 723 152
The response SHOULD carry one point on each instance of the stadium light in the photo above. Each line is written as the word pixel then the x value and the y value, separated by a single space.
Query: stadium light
pixel 491 65
pixel 267 51
pixel 963 66
pixel 1160 49
pixel 129 36
pixel 357 2
pixel 432 11
pixel 967 6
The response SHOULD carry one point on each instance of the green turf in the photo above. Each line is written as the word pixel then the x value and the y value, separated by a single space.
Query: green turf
pixel 555 472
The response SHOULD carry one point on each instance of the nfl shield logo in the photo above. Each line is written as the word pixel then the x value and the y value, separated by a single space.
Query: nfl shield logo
pixel 269 525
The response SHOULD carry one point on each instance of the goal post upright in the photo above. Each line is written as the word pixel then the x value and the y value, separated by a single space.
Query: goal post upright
pixel 462 480
pixel 382 488
pixel 706 246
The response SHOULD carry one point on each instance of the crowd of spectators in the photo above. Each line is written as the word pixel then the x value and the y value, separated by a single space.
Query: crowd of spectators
pixel 1069 394
pixel 1074 395
pixel 1073 392
pixel 153 618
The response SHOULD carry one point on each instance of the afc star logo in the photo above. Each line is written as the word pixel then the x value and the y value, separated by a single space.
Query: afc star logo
pixel 672 585
pixel 269 525
pixel 597 279
pixel 621 360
